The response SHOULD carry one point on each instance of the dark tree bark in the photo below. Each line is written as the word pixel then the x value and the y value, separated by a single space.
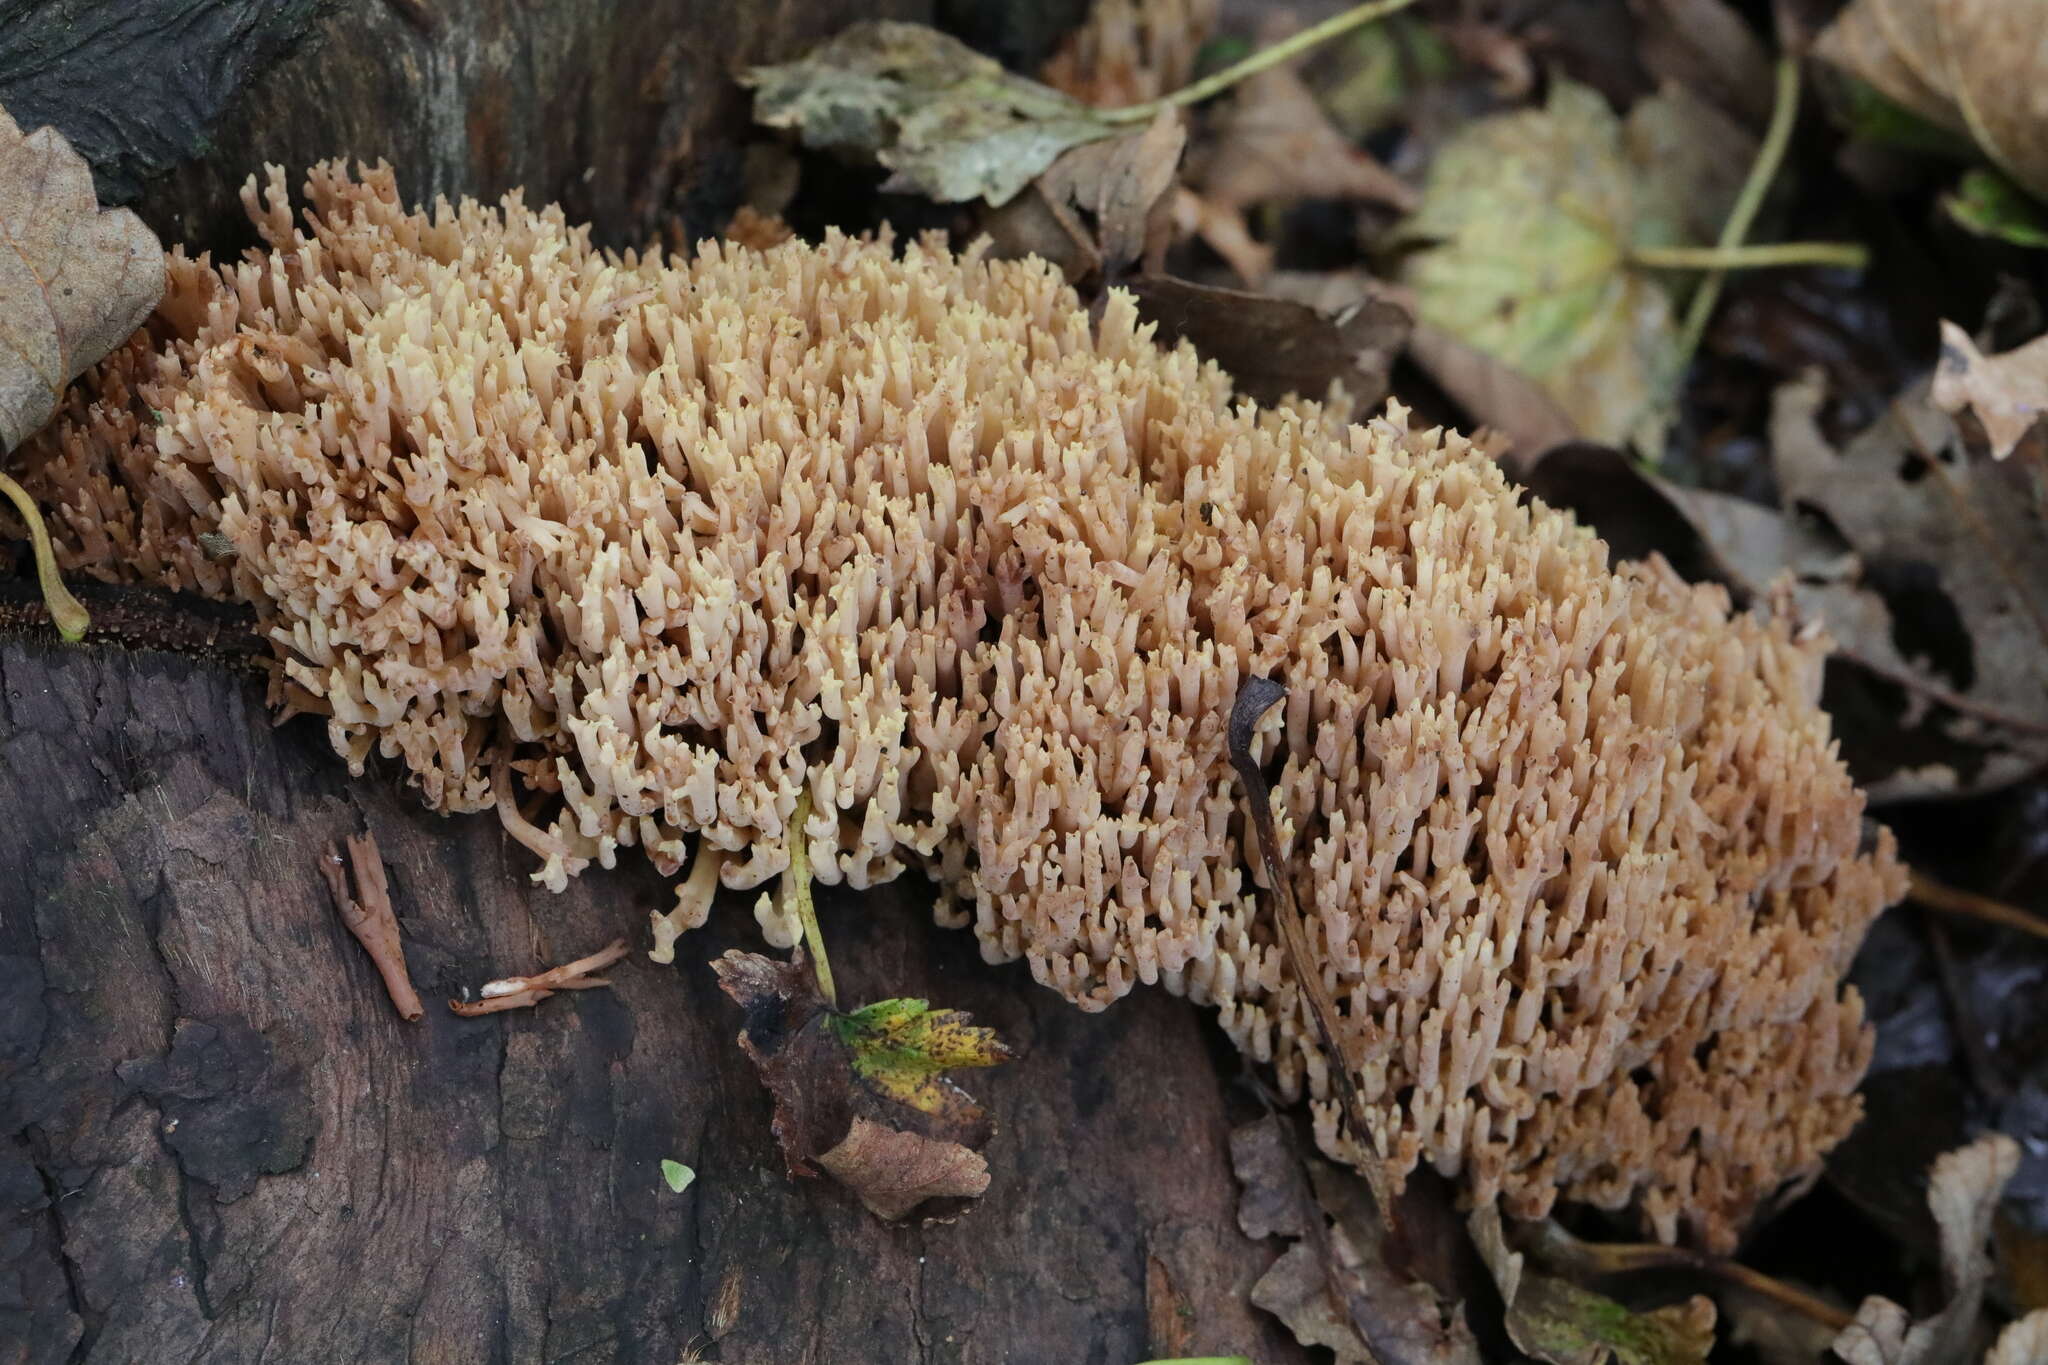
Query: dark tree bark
pixel 218 1142
pixel 626 114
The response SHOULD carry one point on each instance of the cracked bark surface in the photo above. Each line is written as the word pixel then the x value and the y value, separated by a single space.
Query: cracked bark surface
pixel 218 1142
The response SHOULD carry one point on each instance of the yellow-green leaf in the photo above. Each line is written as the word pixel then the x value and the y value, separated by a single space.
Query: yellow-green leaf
pixel 901 1047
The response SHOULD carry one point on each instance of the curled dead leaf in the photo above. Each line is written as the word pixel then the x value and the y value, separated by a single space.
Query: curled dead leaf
pixel 75 279
pixel 892 1171
pixel 1963 1192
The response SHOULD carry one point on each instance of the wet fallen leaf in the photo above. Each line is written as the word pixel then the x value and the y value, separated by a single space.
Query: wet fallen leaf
pixel 1970 66
pixel 75 279
pixel 1963 1194
pixel 1555 1320
pixel 2007 392
pixel 951 123
pixel 1333 1288
pixel 1526 229
pixel 1274 346
pixel 860 1095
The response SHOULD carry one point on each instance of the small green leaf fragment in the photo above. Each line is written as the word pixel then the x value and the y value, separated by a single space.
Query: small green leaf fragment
pixel 677 1175
pixel 1988 204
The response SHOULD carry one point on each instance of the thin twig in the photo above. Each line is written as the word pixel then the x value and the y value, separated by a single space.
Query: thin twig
pixel 1263 59
pixel 518 992
pixel 1852 255
pixel 370 918
pixel 1953 900
pixel 65 612
pixel 1784 111
pixel 1256 697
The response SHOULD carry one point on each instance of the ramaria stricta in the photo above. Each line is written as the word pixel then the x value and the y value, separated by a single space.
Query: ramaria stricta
pixel 632 549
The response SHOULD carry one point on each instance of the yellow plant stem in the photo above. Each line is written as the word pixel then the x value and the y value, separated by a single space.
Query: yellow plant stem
pixel 1852 255
pixel 1784 112
pixel 67 613
pixel 797 886
pixel 1263 59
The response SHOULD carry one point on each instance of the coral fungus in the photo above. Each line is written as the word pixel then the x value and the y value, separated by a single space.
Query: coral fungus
pixel 635 549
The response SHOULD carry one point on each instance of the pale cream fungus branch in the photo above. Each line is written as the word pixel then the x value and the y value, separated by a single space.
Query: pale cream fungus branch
pixel 632 549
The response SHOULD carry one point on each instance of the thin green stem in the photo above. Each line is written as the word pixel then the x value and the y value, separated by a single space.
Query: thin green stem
pixel 66 613
pixel 1784 112
pixel 797 885
pixel 1259 61
pixel 1854 255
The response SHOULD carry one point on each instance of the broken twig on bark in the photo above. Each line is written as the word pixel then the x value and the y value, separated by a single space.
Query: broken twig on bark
pixel 521 992
pixel 370 918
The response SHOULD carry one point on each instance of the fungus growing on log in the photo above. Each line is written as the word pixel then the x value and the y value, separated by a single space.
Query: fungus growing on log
pixel 634 549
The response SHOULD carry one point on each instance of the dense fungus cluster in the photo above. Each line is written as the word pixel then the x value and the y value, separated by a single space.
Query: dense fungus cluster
pixel 633 550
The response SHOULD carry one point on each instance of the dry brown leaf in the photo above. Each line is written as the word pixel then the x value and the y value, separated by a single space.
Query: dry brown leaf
pixel 1275 146
pixel 1334 1287
pixel 892 1171
pixel 75 280
pixel 1099 208
pixel 1963 1193
pixel 1994 52
pixel 1962 533
pixel 1861 42
pixel 2008 392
